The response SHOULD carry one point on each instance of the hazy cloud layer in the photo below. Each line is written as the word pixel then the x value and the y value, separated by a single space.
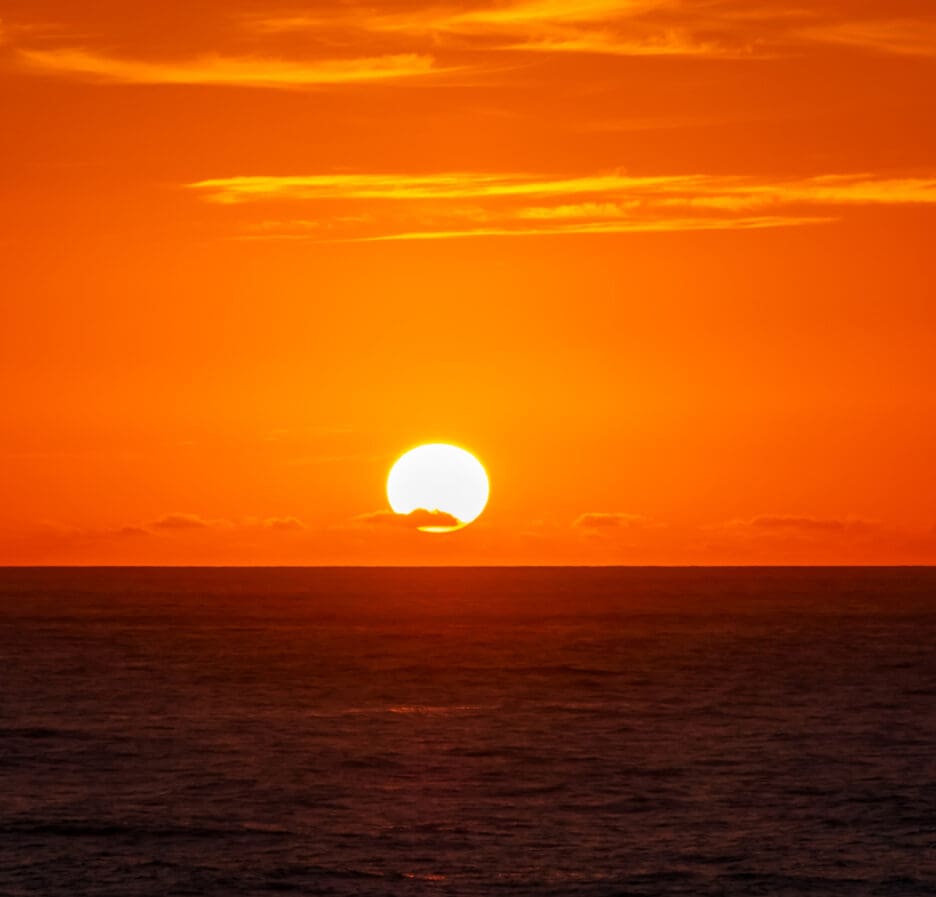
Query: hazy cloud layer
pixel 329 45
pixel 602 537
pixel 778 523
pixel 899 37
pixel 719 29
pixel 606 520
pixel 450 205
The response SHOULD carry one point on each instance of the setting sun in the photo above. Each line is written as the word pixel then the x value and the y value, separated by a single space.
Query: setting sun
pixel 444 482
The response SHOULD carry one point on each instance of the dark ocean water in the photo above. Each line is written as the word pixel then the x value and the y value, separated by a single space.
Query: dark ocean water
pixel 468 732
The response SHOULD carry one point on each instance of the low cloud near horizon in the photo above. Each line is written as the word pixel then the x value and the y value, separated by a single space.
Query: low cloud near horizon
pixel 609 520
pixel 179 522
pixel 780 523
pixel 421 517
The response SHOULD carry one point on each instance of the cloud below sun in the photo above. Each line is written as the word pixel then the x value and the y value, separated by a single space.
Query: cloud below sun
pixel 415 520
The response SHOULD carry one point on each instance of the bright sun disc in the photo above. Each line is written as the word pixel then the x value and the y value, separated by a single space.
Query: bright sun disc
pixel 442 480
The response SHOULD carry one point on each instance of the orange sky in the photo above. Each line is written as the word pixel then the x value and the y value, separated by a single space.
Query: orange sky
pixel 666 267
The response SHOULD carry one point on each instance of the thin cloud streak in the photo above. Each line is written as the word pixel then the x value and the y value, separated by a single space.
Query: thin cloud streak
pixel 530 13
pixel 714 190
pixel 610 227
pixel 604 44
pixel 453 185
pixel 230 71
pixel 897 37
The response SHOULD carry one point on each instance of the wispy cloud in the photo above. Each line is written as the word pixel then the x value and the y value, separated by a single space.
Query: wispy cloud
pixel 231 71
pixel 180 522
pixel 800 527
pixel 387 207
pixel 638 28
pixel 609 520
pixel 666 43
pixel 716 29
pixel 285 524
pixel 531 12
pixel 482 18
pixel 430 42
pixel 712 190
pixel 449 185
pixel 803 524
pixel 606 227
pixel 899 37
pixel 723 28
pixel 599 27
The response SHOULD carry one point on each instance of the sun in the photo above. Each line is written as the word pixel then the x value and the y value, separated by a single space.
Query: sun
pixel 441 487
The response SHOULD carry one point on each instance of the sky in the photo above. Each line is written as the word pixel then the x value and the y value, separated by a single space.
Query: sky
pixel 666 268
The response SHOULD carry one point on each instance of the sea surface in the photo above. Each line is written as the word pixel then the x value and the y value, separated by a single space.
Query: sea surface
pixel 467 732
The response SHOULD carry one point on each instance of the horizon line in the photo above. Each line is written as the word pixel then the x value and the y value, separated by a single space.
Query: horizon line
pixel 789 566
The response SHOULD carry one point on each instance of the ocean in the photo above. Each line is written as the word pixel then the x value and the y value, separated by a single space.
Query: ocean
pixel 468 731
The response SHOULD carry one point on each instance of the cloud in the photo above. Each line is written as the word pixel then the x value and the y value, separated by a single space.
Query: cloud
pixel 899 37
pixel 426 42
pixel 837 189
pixel 230 71
pixel 132 530
pixel 421 518
pixel 605 520
pixel 279 24
pixel 802 526
pixel 715 191
pixel 532 12
pixel 180 522
pixel 718 29
pixel 284 524
pixel 598 27
pixel 433 19
pixel 621 227
pixel 403 187
pixel 665 44
pixel 452 205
